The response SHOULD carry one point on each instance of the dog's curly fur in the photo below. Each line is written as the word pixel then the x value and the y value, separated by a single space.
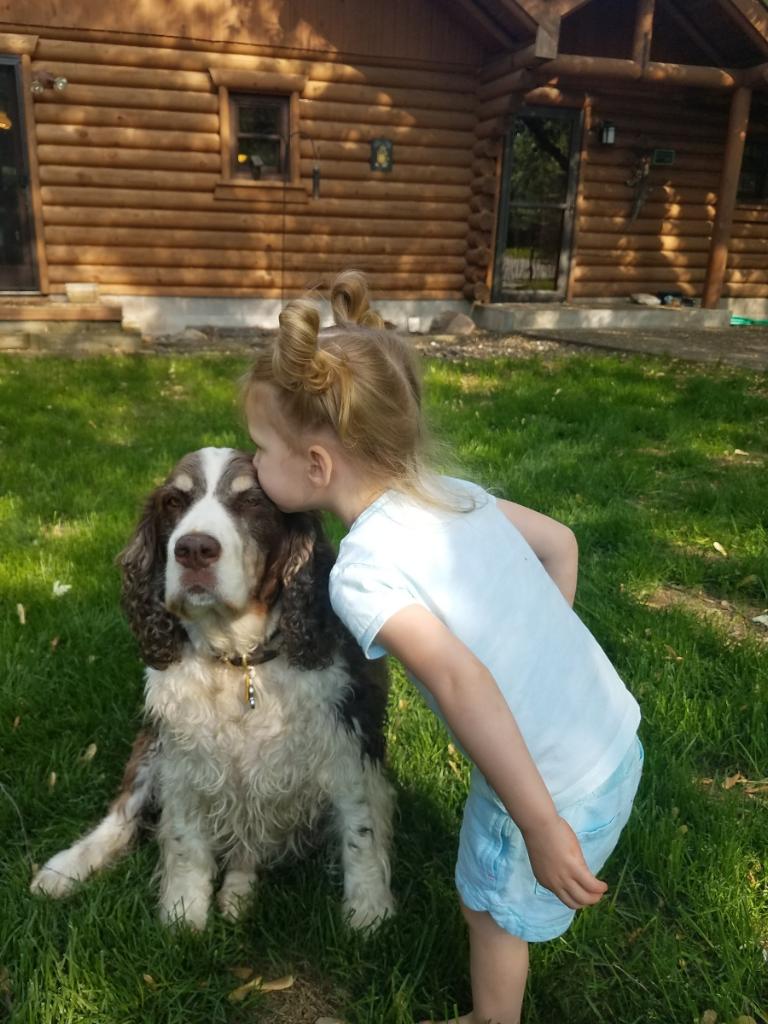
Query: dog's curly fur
pixel 215 574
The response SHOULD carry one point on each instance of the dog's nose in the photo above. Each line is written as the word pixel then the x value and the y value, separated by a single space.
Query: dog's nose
pixel 197 550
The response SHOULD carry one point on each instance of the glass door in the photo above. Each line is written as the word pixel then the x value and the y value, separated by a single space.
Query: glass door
pixel 18 271
pixel 536 209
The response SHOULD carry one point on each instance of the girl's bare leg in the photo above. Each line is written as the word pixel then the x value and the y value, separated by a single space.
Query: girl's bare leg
pixel 499 970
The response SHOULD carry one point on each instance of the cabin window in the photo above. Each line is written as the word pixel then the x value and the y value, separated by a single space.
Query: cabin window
pixel 260 137
pixel 753 180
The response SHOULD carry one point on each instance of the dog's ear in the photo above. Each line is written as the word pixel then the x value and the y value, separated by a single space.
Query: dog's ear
pixel 299 572
pixel 160 635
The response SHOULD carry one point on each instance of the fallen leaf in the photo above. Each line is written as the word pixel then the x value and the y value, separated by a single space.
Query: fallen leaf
pixel 59 588
pixel 745 1019
pixel 243 973
pixel 738 451
pixel 89 753
pixel 761 620
pixel 54 642
pixel 732 780
pixel 329 1020
pixel 16 722
pixel 22 614
pixel 708 1017
pixel 720 549
pixel 149 981
pixel 402 704
pixel 756 790
pixel 237 995
pixel 278 985
pixel 52 780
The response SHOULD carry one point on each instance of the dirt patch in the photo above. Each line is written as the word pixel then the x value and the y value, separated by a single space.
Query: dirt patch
pixel 735 620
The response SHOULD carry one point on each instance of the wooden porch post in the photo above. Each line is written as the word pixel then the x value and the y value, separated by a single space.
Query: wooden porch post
pixel 738 120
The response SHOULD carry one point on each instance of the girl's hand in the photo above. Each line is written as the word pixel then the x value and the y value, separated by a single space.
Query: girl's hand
pixel 559 864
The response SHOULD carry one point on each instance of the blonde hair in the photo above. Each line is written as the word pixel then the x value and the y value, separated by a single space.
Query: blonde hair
pixel 358 378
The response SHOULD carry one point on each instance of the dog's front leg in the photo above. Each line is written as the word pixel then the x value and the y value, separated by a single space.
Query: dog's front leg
pixel 364 805
pixel 187 863
pixel 239 880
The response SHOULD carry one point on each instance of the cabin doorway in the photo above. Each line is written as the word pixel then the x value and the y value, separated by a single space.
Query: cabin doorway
pixel 18 269
pixel 536 208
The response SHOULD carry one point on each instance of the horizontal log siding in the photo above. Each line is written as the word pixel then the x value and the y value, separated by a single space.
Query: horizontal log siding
pixel 130 156
pixel 666 246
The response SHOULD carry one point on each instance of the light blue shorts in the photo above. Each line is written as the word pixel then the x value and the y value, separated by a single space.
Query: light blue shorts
pixel 493 872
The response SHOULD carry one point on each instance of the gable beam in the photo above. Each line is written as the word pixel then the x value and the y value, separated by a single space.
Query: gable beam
pixel 690 29
pixel 478 15
pixel 643 37
pixel 751 15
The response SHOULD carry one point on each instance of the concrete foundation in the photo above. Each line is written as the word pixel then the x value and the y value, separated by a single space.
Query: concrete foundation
pixel 549 316
pixel 154 315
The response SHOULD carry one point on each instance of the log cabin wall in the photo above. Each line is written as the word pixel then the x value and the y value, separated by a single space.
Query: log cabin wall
pixel 640 226
pixel 130 153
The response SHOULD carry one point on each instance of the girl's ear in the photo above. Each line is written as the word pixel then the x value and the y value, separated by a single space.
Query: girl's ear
pixel 320 465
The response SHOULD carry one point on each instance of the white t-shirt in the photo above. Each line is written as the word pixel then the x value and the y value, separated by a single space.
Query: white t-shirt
pixel 476 573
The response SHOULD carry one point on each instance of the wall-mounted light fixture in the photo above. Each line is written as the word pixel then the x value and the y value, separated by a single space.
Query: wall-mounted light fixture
pixel 607 133
pixel 47 80
pixel 5 121
pixel 382 156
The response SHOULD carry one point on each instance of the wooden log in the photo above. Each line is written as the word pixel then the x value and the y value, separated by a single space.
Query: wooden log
pixel 477 291
pixel 609 227
pixel 507 100
pixel 609 289
pixel 179 56
pixel 480 256
pixel 482 221
pixel 348 170
pixel 490 128
pixel 663 210
pixel 484 186
pixel 237 278
pixel 337 131
pixel 63 195
pixel 18 43
pixel 281 292
pixel 689 75
pixel 745 291
pixel 390 97
pixel 57 113
pixel 643 34
pixel 486 148
pixel 584 129
pixel 379 190
pixel 483 168
pixel 661 192
pixel 127 77
pixel 551 96
pixel 265 239
pixel 357 113
pixel 161 256
pixel 480 201
pixel 599 173
pixel 663 275
pixel 138 99
pixel 126 138
pixel 729 181
pixel 97 177
pixel 405 154
pixel 141 159
pixel 604 241
pixel 642 258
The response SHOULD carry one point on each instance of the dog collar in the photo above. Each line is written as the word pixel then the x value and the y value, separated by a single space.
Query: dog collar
pixel 257 655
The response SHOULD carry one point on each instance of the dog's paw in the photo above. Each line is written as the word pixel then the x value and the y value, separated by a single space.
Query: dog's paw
pixel 59 876
pixel 235 894
pixel 187 909
pixel 370 912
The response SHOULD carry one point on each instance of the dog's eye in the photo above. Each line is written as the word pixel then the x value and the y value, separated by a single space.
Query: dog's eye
pixel 174 502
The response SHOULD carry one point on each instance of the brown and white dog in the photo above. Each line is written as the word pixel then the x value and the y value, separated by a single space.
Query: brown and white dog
pixel 264 718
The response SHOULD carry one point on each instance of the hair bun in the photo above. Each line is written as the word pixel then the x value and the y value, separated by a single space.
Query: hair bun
pixel 297 361
pixel 350 302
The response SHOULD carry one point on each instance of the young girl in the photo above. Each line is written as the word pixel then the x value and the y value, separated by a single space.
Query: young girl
pixel 473 595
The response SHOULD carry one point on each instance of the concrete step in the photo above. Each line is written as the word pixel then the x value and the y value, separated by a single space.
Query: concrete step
pixel 548 316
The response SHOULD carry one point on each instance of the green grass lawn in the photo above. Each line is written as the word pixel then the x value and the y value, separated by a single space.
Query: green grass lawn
pixel 660 468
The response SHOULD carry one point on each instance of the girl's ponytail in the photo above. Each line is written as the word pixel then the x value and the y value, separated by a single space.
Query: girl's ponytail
pixel 297 362
pixel 350 302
